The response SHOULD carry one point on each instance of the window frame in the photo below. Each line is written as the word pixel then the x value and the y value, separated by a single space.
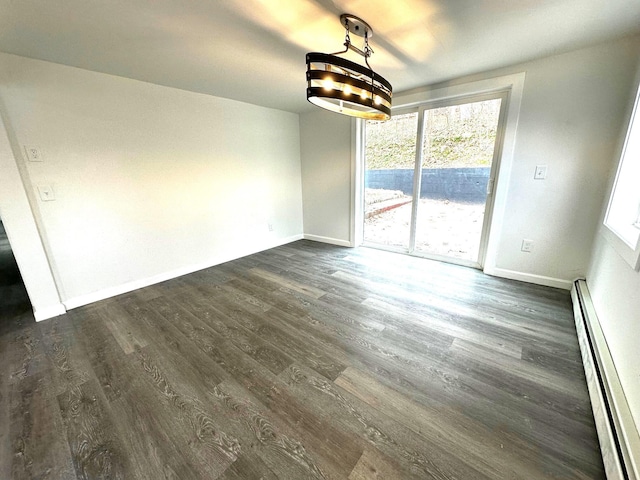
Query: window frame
pixel 622 218
pixel 514 83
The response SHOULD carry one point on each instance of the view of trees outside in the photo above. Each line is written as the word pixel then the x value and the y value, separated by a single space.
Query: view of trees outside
pixel 460 136
pixel 392 144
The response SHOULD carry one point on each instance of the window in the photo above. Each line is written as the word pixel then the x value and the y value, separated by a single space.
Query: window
pixel 623 214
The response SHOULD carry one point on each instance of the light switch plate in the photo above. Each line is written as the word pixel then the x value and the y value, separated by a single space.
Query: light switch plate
pixel 46 193
pixel 34 154
pixel 541 172
pixel 527 245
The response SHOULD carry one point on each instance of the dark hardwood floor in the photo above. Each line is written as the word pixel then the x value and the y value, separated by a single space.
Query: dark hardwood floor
pixel 305 361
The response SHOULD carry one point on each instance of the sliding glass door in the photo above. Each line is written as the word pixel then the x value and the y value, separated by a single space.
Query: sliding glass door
pixel 435 200
pixel 390 155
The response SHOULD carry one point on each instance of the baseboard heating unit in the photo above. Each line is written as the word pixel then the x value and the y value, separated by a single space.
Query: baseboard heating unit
pixel 617 433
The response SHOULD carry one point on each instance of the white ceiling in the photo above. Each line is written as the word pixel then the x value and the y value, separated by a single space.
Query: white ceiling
pixel 254 50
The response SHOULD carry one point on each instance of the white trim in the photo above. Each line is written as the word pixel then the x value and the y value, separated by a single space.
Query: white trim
pixel 514 84
pixel 427 256
pixel 610 400
pixel 23 227
pixel 429 94
pixel 421 109
pixel 629 255
pixel 417 177
pixel 49 312
pixel 623 208
pixel 332 241
pixel 529 278
pixel 606 437
pixel 92 297
pixel 357 184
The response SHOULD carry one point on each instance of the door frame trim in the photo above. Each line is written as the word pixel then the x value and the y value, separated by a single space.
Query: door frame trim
pixel 503 95
pixel 514 84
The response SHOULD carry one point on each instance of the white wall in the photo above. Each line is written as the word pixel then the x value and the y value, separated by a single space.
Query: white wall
pixel 23 236
pixel 615 288
pixel 571 112
pixel 150 181
pixel 572 109
pixel 615 291
pixel 325 141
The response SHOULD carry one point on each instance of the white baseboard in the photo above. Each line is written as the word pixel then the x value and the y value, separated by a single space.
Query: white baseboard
pixel 617 432
pixel 49 312
pixel 529 277
pixel 92 297
pixel 332 241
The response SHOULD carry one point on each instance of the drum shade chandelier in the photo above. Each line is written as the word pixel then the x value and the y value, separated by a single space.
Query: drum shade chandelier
pixel 346 87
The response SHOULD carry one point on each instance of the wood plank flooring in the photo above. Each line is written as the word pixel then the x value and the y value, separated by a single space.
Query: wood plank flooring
pixel 304 361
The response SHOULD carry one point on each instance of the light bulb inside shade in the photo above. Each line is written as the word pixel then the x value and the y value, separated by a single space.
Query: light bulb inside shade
pixel 347 90
pixel 363 94
pixel 327 84
pixel 378 100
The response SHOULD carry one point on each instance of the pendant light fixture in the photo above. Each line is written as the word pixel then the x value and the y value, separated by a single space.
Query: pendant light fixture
pixel 346 87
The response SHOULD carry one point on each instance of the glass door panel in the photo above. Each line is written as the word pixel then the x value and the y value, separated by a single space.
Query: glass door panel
pixel 390 156
pixel 458 144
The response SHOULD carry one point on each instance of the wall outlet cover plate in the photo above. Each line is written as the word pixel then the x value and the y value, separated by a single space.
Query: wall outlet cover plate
pixel 46 193
pixel 541 172
pixel 34 154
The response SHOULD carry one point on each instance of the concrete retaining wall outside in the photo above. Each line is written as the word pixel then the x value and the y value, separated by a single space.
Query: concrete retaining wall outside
pixel 454 184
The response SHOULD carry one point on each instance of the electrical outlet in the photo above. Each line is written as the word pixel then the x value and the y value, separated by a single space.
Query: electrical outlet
pixel 527 245
pixel 270 226
pixel 541 172
pixel 34 154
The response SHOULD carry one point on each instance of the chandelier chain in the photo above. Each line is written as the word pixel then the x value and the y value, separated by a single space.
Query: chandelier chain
pixel 347 38
pixel 367 49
